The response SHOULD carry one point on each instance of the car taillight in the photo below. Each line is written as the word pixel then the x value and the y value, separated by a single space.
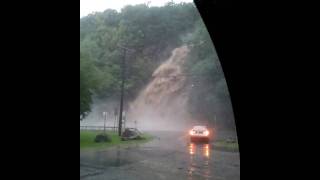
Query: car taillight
pixel 206 133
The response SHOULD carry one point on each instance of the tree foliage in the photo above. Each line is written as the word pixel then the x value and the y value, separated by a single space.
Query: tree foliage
pixel 209 95
pixel 152 32
pixel 88 82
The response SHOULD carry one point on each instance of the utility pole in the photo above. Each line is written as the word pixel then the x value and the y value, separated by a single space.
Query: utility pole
pixel 122 89
pixel 122 86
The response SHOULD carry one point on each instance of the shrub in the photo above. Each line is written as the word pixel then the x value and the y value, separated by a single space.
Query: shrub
pixel 102 138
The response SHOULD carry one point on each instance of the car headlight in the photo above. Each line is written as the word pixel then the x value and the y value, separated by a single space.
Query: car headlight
pixel 206 133
pixel 191 132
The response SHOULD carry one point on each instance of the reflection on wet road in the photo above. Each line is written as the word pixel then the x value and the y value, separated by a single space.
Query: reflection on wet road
pixel 199 160
pixel 169 156
pixel 203 148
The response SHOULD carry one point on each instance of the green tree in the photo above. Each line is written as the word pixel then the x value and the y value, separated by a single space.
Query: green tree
pixel 88 82
pixel 152 32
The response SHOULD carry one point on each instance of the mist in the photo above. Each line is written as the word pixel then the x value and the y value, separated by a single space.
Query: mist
pixel 163 104
pixel 96 118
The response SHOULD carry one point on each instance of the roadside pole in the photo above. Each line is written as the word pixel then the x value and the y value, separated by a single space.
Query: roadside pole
pixel 122 89
pixel 125 49
pixel 215 125
pixel 115 119
pixel 105 119
pixel 124 120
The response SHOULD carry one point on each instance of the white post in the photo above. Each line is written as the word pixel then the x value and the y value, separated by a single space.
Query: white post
pixel 215 123
pixel 104 123
pixel 115 119
pixel 124 120
pixel 114 123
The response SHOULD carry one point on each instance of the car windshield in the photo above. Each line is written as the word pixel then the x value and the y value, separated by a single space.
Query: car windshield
pixel 200 127
pixel 149 76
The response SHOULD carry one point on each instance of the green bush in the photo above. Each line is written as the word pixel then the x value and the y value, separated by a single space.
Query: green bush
pixel 102 138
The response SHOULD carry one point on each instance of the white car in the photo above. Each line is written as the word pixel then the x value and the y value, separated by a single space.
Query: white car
pixel 199 133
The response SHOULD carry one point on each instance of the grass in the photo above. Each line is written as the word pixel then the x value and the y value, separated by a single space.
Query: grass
pixel 225 145
pixel 87 139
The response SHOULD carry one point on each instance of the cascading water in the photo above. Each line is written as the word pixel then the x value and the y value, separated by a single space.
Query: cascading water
pixel 162 104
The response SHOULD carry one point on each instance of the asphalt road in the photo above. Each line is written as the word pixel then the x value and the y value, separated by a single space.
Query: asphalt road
pixel 169 156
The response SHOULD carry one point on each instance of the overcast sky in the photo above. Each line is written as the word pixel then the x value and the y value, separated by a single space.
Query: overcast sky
pixel 89 6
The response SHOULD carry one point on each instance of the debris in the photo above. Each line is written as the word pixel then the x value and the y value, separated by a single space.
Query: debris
pixel 131 133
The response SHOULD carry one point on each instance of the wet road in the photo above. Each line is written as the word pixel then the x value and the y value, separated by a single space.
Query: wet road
pixel 169 156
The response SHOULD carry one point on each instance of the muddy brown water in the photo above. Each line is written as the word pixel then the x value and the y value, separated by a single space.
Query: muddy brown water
pixel 162 104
